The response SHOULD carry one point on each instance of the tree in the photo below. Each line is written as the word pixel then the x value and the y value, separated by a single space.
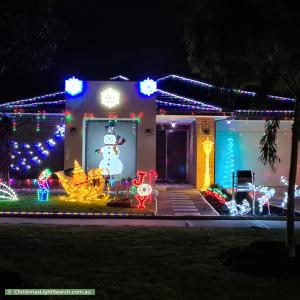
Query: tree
pixel 252 45
pixel 30 33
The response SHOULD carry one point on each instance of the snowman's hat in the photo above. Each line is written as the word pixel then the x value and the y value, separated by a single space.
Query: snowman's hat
pixel 109 129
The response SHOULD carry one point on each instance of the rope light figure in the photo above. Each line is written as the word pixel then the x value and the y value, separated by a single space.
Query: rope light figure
pixel 264 200
pixel 238 209
pixel 144 190
pixel 43 184
pixel 82 187
pixel 284 180
pixel 7 193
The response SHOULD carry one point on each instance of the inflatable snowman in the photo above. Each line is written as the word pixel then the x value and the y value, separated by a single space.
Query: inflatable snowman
pixel 111 164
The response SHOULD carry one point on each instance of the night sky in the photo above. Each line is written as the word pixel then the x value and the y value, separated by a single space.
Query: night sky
pixel 107 38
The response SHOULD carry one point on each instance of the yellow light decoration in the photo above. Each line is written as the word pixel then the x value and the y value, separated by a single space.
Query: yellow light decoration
pixel 83 188
pixel 207 147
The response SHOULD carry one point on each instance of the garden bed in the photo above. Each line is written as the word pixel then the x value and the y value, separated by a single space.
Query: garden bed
pixel 218 197
pixel 28 203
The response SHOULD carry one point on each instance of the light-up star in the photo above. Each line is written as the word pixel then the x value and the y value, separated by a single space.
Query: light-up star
pixel 110 98
pixel 148 86
pixel 73 86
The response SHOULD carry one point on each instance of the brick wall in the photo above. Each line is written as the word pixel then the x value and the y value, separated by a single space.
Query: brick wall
pixel 205 130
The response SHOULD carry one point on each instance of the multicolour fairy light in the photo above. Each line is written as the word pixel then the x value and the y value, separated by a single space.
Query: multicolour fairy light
pixel 44 187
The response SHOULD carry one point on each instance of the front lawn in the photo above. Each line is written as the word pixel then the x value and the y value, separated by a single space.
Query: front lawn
pixel 29 202
pixel 137 263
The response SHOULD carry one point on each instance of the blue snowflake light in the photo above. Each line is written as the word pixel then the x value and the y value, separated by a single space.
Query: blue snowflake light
pixel 73 86
pixel 148 87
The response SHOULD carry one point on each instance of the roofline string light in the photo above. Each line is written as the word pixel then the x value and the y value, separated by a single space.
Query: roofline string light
pixel 22 101
pixel 119 77
pixel 211 107
pixel 187 80
pixel 185 105
pixel 249 111
pixel 34 114
pixel 25 102
pixel 56 102
pixel 207 85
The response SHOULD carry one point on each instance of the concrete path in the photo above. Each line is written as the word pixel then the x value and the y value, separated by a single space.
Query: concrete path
pixel 182 201
pixel 182 204
pixel 150 222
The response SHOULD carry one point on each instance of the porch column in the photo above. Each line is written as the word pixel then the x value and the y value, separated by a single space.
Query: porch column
pixel 205 152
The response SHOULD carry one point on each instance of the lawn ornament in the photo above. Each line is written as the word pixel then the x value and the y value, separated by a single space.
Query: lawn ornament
pixel 83 188
pixel 7 193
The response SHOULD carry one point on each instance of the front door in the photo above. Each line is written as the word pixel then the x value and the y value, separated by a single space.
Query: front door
pixel 171 155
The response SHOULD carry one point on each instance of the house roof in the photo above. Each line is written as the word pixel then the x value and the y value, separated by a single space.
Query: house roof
pixel 229 100
pixel 181 95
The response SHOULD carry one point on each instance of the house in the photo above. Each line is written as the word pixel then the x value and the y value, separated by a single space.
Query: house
pixel 189 131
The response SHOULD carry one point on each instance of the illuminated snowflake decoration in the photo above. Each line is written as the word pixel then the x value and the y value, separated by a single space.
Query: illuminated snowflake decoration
pixel 110 98
pixel 60 131
pixel 148 87
pixel 73 86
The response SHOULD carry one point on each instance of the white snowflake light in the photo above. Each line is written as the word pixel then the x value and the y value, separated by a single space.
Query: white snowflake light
pixel 73 86
pixel 148 87
pixel 60 131
pixel 110 98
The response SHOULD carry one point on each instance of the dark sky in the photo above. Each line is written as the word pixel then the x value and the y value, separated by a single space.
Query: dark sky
pixel 107 38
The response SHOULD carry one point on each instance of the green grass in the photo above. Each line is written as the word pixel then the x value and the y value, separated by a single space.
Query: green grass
pixel 139 263
pixel 28 202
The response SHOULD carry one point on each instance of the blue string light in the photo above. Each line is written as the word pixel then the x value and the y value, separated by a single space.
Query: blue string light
pixel 26 156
